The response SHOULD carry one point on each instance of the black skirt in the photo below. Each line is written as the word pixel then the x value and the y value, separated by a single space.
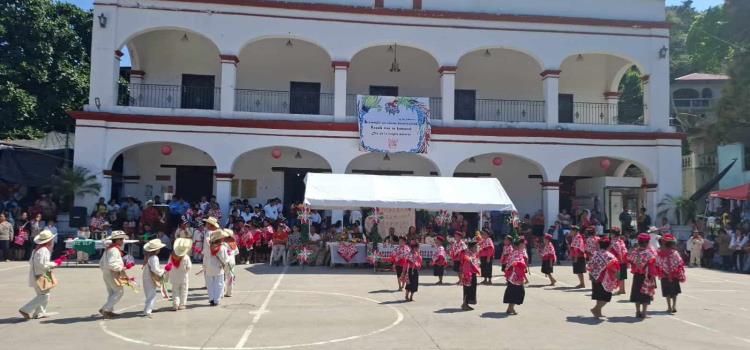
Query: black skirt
pixel 670 288
pixel 438 271
pixel 456 266
pixel 579 265
pixel 413 284
pixel 547 267
pixel 399 270
pixel 470 292
pixel 514 294
pixel 502 267
pixel 623 275
pixel 598 292
pixel 635 292
pixel 486 267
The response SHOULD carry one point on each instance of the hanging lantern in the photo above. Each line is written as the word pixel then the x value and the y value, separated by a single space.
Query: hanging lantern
pixel 497 161
pixel 604 163
pixel 166 150
pixel 276 153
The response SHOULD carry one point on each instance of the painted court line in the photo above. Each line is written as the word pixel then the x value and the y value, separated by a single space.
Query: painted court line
pixel 13 268
pixel 262 310
pixel 707 328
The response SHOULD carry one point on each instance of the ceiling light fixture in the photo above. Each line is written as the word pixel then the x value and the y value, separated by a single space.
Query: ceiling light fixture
pixel 579 58
pixel 386 158
pixel 394 66
pixel 185 37
pixel 487 53
pixel 298 155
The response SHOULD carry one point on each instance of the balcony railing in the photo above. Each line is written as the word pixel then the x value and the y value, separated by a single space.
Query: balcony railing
pixel 607 113
pixel 507 110
pixel 269 101
pixel 693 160
pixel 168 96
pixel 436 106
pixel 694 103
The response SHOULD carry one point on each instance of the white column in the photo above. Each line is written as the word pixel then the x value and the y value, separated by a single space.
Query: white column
pixel 228 82
pixel 651 191
pixel 136 80
pixel 105 62
pixel 656 96
pixel 550 202
pixel 340 70
pixel 613 101
pixel 550 87
pixel 448 92
pixel 106 191
pixel 224 192
pixel 130 185
pixel 91 154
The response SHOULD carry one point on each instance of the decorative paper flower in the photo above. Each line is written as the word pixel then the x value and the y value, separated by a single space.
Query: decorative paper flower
pixel 129 265
pixel 197 250
pixel 70 252
pixel 168 267
pixel 303 255
pixel 373 257
pixel 347 251
pixel 303 215
pixel 58 261
pixel 443 218
pixel 376 216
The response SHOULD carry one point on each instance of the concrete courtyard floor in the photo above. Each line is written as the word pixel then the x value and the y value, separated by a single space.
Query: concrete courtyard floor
pixel 348 308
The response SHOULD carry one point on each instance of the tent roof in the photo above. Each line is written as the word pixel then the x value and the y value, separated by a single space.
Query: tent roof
pixel 741 192
pixel 346 191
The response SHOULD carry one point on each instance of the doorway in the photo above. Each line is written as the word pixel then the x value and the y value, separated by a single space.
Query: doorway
pixel 465 105
pixel 565 108
pixel 294 183
pixel 197 91
pixel 378 90
pixel 192 182
pixel 304 98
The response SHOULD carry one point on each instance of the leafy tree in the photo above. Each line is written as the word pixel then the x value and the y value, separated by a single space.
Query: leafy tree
pixel 681 18
pixel 681 209
pixel 707 52
pixel 630 107
pixel 44 65
pixel 734 107
pixel 70 183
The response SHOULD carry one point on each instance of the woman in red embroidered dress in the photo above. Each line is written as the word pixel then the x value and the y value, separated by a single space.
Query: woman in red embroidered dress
pixel 549 258
pixel 671 270
pixel 578 255
pixel 469 268
pixel 507 249
pixel 603 268
pixel 643 267
pixel 398 259
pixel 457 251
pixel 592 242
pixel 515 274
pixel 620 251
pixel 486 254
pixel 439 261
pixel 412 265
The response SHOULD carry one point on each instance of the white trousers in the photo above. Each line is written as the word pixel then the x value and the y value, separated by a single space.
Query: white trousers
pixel 179 293
pixel 695 257
pixel 38 305
pixel 114 293
pixel 215 287
pixel 150 292
pixel 228 284
pixel 277 251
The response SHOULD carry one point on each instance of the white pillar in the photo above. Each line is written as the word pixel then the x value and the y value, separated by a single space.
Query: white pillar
pixel 550 202
pixel 130 185
pixel 550 87
pixel 105 62
pixel 448 92
pixel 106 191
pixel 613 101
pixel 224 192
pixel 91 154
pixel 340 70
pixel 135 85
pixel 228 82
pixel 656 96
pixel 651 191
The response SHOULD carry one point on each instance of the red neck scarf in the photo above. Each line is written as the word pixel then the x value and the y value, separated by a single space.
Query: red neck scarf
pixel 175 260
pixel 215 249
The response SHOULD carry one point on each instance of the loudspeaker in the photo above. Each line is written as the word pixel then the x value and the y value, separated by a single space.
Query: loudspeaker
pixel 78 217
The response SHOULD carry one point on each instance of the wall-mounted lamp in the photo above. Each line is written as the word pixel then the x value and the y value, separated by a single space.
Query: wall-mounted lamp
pixel 102 20
pixel 98 103
pixel 663 52
pixel 487 53
pixel 387 157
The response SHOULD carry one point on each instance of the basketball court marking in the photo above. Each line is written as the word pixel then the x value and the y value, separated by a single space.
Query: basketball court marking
pixel 263 308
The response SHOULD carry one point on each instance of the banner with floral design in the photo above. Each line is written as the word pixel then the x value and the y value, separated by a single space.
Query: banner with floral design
pixel 390 124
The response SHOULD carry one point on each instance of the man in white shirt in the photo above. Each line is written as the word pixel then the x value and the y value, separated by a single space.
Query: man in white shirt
pixel 315 217
pixel 247 214
pixel 271 211
pixel 279 207
pixel 355 216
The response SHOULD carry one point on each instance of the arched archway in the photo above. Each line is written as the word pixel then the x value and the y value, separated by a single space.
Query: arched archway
pixel 484 90
pixel 392 164
pixel 155 168
pixel 173 68
pixel 274 172
pixel 284 75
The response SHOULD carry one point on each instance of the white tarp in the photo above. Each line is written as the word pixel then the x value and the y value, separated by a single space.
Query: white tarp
pixel 347 191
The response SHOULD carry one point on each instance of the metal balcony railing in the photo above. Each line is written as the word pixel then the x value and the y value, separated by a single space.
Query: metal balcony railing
pixel 168 96
pixel 269 101
pixel 507 110
pixel 607 113
pixel 693 102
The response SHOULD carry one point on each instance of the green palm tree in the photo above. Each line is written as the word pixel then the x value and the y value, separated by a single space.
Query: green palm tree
pixel 70 183
pixel 681 208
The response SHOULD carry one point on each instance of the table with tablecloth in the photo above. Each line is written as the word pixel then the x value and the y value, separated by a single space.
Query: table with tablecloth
pixel 385 250
pixel 90 246
pixel 359 258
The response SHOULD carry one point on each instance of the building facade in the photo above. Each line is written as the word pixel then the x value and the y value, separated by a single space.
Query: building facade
pixel 242 98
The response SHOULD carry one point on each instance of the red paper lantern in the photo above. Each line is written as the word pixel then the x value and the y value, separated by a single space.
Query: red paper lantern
pixel 276 153
pixel 604 163
pixel 166 150
pixel 497 161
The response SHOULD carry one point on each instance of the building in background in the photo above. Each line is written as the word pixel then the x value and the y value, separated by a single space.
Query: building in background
pixel 242 99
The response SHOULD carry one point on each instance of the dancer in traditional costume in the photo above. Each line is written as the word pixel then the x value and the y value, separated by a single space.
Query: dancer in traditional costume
pixel 456 251
pixel 230 276
pixel 398 259
pixel 515 275
pixel 507 250
pixel 410 277
pixel 643 267
pixel 671 270
pixel 439 261
pixel 40 276
pixel 152 274
pixel 549 258
pixel 468 270
pixel 604 268
pixel 113 271
pixel 211 225
pixel 179 272
pixel 486 254
pixel 216 259
pixel 578 255
pixel 591 242
pixel 620 251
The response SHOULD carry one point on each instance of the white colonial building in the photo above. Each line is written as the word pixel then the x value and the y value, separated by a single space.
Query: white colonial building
pixel 219 88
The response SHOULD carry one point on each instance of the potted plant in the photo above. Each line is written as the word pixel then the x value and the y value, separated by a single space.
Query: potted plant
pixel 680 210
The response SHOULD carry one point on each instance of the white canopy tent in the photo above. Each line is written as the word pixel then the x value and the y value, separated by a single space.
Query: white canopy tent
pixel 346 191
